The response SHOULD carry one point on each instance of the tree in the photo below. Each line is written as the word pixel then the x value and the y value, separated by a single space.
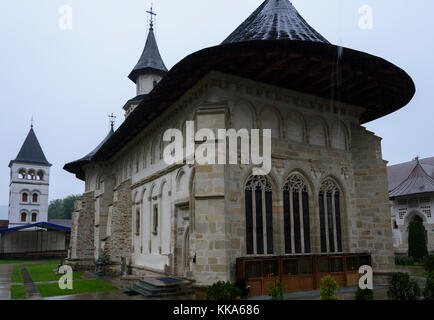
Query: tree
pixel 417 247
pixel 62 208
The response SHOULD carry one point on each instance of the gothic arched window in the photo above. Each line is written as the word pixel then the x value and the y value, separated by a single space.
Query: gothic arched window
pixel 296 215
pixel 330 217
pixel 34 216
pixel 23 217
pixel 259 216
pixel 34 197
pixel 24 197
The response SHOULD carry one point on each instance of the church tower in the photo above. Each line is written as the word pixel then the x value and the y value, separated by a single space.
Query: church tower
pixel 149 70
pixel 29 184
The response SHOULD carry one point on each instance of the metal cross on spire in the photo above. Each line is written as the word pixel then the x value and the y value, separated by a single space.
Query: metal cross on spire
pixel 31 123
pixel 112 118
pixel 152 14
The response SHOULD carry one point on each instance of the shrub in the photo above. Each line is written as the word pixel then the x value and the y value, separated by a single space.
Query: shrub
pixel 366 294
pixel 428 263
pixel 402 288
pixel 328 288
pixel 222 291
pixel 417 247
pixel 428 292
pixel 276 290
pixel 404 261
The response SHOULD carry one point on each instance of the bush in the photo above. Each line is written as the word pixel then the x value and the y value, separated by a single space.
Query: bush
pixel 428 292
pixel 328 288
pixel 366 294
pixel 222 291
pixel 402 288
pixel 428 263
pixel 276 290
pixel 417 247
pixel 404 261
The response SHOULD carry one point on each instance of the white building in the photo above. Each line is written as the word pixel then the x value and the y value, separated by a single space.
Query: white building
pixel 29 184
pixel 411 191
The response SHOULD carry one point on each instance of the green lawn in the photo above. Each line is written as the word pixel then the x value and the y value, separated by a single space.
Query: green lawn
pixel 422 274
pixel 16 274
pixel 40 273
pixel 46 272
pixel 81 286
pixel 18 292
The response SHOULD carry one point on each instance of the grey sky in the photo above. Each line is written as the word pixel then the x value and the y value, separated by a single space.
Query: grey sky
pixel 70 80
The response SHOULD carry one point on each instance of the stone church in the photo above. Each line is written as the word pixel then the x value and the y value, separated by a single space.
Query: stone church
pixel 325 199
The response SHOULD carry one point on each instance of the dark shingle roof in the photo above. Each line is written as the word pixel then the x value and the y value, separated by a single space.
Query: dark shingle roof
pixel 150 60
pixel 72 166
pixel 31 151
pixel 275 20
pixel 417 182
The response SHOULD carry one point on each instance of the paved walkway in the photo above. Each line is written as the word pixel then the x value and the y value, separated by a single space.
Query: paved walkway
pixel 380 293
pixel 5 281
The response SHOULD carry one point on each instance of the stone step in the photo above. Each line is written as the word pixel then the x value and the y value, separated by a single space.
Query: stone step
pixel 162 287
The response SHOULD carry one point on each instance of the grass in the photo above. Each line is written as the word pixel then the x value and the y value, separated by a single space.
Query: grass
pixel 82 286
pixel 46 272
pixel 16 275
pixel 18 292
pixel 40 273
pixel 422 274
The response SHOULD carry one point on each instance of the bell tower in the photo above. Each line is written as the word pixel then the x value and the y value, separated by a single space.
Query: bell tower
pixel 29 184
pixel 149 70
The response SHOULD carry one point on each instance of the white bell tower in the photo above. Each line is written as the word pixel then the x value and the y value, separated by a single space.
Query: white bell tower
pixel 29 184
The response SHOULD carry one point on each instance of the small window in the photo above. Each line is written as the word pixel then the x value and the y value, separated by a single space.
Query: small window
pixel 253 269
pixel 24 197
pixel 270 268
pixel 23 217
pixel 35 198
pixel 155 220
pixel 395 225
pixel 138 222
pixel 34 216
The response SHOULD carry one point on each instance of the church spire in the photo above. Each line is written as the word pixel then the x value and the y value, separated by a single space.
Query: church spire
pixel 31 151
pixel 150 66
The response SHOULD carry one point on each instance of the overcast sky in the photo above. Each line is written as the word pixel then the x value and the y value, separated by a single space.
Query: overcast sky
pixel 70 80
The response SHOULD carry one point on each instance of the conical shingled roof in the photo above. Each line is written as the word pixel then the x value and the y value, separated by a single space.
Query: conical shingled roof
pixel 275 20
pixel 150 60
pixel 31 151
pixel 417 182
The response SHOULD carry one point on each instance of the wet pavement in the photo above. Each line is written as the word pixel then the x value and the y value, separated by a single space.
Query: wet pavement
pixel 5 281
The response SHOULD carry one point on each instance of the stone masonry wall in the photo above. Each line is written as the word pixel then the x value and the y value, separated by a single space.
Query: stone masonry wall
pixel 371 227
pixel 119 243
pixel 82 242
